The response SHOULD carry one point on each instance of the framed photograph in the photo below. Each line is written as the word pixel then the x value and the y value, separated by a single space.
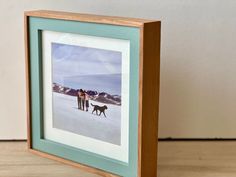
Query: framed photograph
pixel 93 91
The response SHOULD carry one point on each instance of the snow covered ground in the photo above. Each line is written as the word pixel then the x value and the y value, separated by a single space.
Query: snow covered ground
pixel 67 116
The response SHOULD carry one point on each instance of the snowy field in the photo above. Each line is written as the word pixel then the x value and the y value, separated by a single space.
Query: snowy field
pixel 68 117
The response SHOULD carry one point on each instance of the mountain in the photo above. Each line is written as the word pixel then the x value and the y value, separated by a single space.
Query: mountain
pixel 102 97
pixel 109 83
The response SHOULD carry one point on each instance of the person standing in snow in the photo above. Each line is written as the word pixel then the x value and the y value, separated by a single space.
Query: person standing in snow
pixel 79 98
pixel 82 98
pixel 86 96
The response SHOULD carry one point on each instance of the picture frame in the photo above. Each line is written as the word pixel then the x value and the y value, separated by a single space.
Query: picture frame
pixel 93 91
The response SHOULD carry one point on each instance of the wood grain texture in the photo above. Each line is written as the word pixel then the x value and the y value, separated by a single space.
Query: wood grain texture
pixel 149 98
pixel 197 159
pixel 17 161
pixel 68 162
pixel 89 18
pixel 176 159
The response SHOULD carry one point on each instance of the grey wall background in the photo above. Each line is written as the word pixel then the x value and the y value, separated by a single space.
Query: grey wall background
pixel 198 64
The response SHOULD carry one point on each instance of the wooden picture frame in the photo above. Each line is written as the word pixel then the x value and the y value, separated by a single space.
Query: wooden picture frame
pixel 144 40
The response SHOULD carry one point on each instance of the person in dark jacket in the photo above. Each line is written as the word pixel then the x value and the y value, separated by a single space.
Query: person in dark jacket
pixel 82 99
pixel 86 97
pixel 79 100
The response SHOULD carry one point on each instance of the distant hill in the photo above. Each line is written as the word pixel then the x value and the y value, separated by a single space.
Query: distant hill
pixel 99 82
pixel 102 97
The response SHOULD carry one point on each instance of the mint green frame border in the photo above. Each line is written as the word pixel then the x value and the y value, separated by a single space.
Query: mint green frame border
pixel 36 25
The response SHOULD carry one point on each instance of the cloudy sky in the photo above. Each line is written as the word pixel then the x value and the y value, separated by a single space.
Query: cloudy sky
pixel 72 63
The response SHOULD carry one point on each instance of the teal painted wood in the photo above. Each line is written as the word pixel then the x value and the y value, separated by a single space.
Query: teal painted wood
pixel 36 25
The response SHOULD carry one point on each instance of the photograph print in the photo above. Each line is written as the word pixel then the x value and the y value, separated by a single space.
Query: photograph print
pixel 87 91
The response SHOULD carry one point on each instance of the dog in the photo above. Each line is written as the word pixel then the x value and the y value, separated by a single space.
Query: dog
pixel 99 108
